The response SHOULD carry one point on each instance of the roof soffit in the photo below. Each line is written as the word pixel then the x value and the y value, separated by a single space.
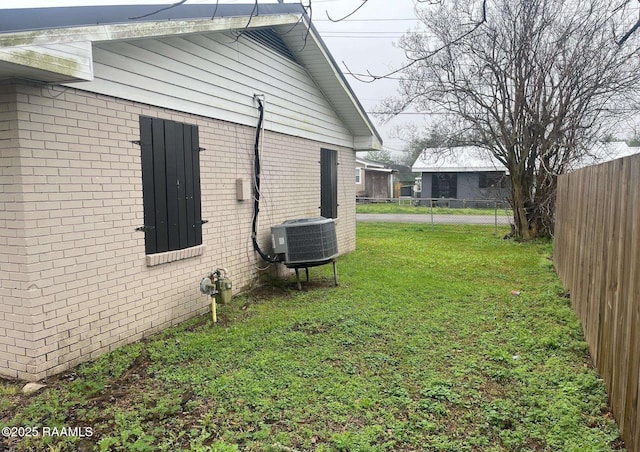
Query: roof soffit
pixel 301 38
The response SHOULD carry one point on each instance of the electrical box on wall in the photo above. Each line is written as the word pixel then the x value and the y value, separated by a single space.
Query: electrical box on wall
pixel 243 189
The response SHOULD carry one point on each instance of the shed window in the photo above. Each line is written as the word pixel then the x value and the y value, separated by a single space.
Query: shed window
pixel 170 185
pixel 444 185
pixel 492 180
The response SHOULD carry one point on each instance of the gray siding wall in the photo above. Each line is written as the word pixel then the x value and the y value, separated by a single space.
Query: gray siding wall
pixel 71 60
pixel 426 185
pixel 468 188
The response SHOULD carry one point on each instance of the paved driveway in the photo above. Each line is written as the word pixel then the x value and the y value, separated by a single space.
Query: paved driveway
pixel 440 219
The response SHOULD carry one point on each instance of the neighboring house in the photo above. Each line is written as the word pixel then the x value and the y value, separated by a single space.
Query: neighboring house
pixel 126 155
pixel 374 179
pixel 604 152
pixel 404 180
pixel 465 173
pixel 472 173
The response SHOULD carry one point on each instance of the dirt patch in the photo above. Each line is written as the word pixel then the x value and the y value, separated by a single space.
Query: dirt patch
pixel 268 292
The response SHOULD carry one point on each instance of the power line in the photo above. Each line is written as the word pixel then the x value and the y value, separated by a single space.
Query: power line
pixel 359 37
pixel 404 113
pixel 371 32
pixel 414 19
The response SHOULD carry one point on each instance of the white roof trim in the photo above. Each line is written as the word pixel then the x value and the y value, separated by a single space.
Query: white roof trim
pixel 379 170
pixel 135 30
pixel 369 163
pixel 464 159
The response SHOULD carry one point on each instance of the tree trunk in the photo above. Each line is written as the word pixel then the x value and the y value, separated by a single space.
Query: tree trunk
pixel 533 219
pixel 536 84
pixel 519 203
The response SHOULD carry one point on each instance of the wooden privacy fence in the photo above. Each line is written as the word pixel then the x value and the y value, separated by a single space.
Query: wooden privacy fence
pixel 597 254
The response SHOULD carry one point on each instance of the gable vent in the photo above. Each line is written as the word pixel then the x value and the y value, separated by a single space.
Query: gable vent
pixel 270 39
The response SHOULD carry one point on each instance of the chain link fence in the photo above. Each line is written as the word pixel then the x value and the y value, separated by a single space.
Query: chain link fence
pixel 492 212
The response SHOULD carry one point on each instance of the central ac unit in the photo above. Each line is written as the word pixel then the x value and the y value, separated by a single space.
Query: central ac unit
pixel 305 241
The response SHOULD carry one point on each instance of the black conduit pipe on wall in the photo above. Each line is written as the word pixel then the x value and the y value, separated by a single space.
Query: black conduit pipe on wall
pixel 256 187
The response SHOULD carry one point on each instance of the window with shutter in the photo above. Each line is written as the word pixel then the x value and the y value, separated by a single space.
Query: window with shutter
pixel 170 185
pixel 444 185
pixel 329 183
pixel 492 180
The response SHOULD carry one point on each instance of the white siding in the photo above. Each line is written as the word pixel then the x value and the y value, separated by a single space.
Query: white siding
pixel 327 76
pixel 216 76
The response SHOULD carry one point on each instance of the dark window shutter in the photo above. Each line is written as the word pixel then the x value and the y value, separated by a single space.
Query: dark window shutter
pixel 435 185
pixel 444 185
pixel 181 187
pixel 189 193
pixel 329 183
pixel 171 185
pixel 146 146
pixel 195 171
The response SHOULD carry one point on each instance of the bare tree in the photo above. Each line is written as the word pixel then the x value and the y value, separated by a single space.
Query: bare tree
pixel 535 85
pixel 532 81
pixel 382 156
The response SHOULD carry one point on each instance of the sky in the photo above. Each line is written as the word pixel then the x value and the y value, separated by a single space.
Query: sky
pixel 364 42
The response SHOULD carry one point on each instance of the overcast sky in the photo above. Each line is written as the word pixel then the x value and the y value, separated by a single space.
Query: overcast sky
pixel 365 41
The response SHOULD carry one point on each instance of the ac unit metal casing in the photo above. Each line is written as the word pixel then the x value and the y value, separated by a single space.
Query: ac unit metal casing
pixel 307 240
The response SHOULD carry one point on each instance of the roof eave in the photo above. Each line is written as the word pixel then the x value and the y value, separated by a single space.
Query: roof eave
pixel 380 170
pixel 325 71
pixel 344 100
pixel 64 55
pixel 138 30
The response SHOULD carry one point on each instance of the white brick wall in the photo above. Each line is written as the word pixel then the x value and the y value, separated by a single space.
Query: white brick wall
pixel 17 339
pixel 74 280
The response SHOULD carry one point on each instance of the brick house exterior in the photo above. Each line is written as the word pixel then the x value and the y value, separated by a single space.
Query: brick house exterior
pixel 75 280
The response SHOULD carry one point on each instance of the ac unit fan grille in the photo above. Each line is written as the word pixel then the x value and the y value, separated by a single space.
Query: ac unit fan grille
pixel 311 243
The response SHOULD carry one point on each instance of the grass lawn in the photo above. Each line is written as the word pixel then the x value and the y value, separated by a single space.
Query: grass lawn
pixel 391 207
pixel 421 347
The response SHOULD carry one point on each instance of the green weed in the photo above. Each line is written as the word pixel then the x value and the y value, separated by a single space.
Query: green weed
pixel 421 347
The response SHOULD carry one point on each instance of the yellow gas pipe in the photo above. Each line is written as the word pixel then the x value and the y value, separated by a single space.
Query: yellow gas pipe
pixel 213 309
pixel 218 286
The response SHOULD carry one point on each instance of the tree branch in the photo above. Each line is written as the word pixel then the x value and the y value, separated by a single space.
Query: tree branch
pixel 628 34
pixel 255 11
pixel 364 2
pixel 446 45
